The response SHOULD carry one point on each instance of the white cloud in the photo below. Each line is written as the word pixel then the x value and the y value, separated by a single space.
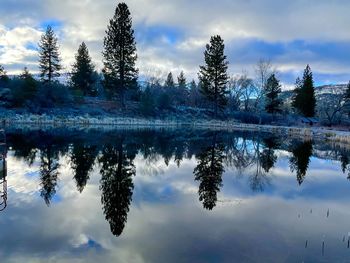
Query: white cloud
pixel 270 21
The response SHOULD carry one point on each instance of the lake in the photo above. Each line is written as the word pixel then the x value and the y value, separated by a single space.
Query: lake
pixel 103 195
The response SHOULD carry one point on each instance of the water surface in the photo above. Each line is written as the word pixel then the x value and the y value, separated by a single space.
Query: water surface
pixel 173 196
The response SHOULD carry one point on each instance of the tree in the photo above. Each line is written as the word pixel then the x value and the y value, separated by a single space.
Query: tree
pixel 147 104
pixel 49 56
pixel 117 170
pixel 194 94
pixel 3 76
pixel 23 89
pixel 213 75
pixel 346 98
pixel 182 88
pixel 304 100
pixel 263 71
pixel 83 72
pixel 272 91
pixel 82 162
pixel 120 73
pixel 169 82
pixel 209 172
pixel 268 156
pixel 300 160
pixel 30 84
pixel 181 81
pixel 48 173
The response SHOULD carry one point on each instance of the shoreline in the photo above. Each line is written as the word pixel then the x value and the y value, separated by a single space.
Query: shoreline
pixel 307 133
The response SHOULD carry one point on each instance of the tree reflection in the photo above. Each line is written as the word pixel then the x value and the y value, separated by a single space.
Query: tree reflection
pixel 116 184
pixel 264 159
pixel 345 160
pixel 300 160
pixel 268 157
pixel 209 172
pixel 48 173
pixel 82 161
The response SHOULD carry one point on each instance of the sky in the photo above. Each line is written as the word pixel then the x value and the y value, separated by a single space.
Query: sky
pixel 171 35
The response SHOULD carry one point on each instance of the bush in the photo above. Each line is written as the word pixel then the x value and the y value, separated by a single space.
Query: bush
pixel 164 101
pixel 253 118
pixel 147 104
pixel 51 94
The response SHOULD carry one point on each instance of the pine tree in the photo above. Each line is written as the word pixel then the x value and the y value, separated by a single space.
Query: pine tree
pixel 181 81
pixel 194 94
pixel 3 76
pixel 29 84
pixel 169 82
pixel 300 160
pixel 209 172
pixel 213 75
pixel 120 73
pixel 304 100
pixel 49 57
pixel 272 91
pixel 182 89
pixel 83 72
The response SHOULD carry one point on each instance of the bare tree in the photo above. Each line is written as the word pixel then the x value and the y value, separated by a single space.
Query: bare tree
pixel 263 70
pixel 331 108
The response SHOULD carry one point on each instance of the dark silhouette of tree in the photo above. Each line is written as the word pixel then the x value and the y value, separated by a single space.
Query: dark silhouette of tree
pixel 120 73
pixel 300 160
pixel 169 82
pixel 116 185
pixel 304 100
pixel 3 76
pixel 345 160
pixel 182 92
pixel 147 103
pixel 268 157
pixel 272 91
pixel 209 172
pixel 48 173
pixel 194 94
pixel 26 90
pixel 181 81
pixel 49 57
pixel 82 161
pixel 213 76
pixel 83 72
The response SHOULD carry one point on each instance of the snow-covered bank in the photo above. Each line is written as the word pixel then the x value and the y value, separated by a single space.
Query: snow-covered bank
pixel 119 122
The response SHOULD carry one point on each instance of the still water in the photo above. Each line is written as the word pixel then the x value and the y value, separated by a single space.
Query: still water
pixel 172 196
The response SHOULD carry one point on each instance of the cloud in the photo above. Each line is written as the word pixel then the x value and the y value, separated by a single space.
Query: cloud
pixel 171 35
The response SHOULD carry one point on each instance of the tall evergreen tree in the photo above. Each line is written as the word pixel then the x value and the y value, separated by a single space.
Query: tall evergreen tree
pixel 49 56
pixel 209 172
pixel 82 162
pixel 272 91
pixel 300 160
pixel 83 72
pixel 181 81
pixel 48 173
pixel 194 94
pixel 213 75
pixel 169 82
pixel 304 100
pixel 117 170
pixel 120 73
pixel 29 84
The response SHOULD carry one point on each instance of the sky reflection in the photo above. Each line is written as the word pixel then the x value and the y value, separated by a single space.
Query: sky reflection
pixel 151 209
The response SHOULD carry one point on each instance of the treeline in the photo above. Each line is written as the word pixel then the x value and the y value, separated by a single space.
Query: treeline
pixel 216 92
